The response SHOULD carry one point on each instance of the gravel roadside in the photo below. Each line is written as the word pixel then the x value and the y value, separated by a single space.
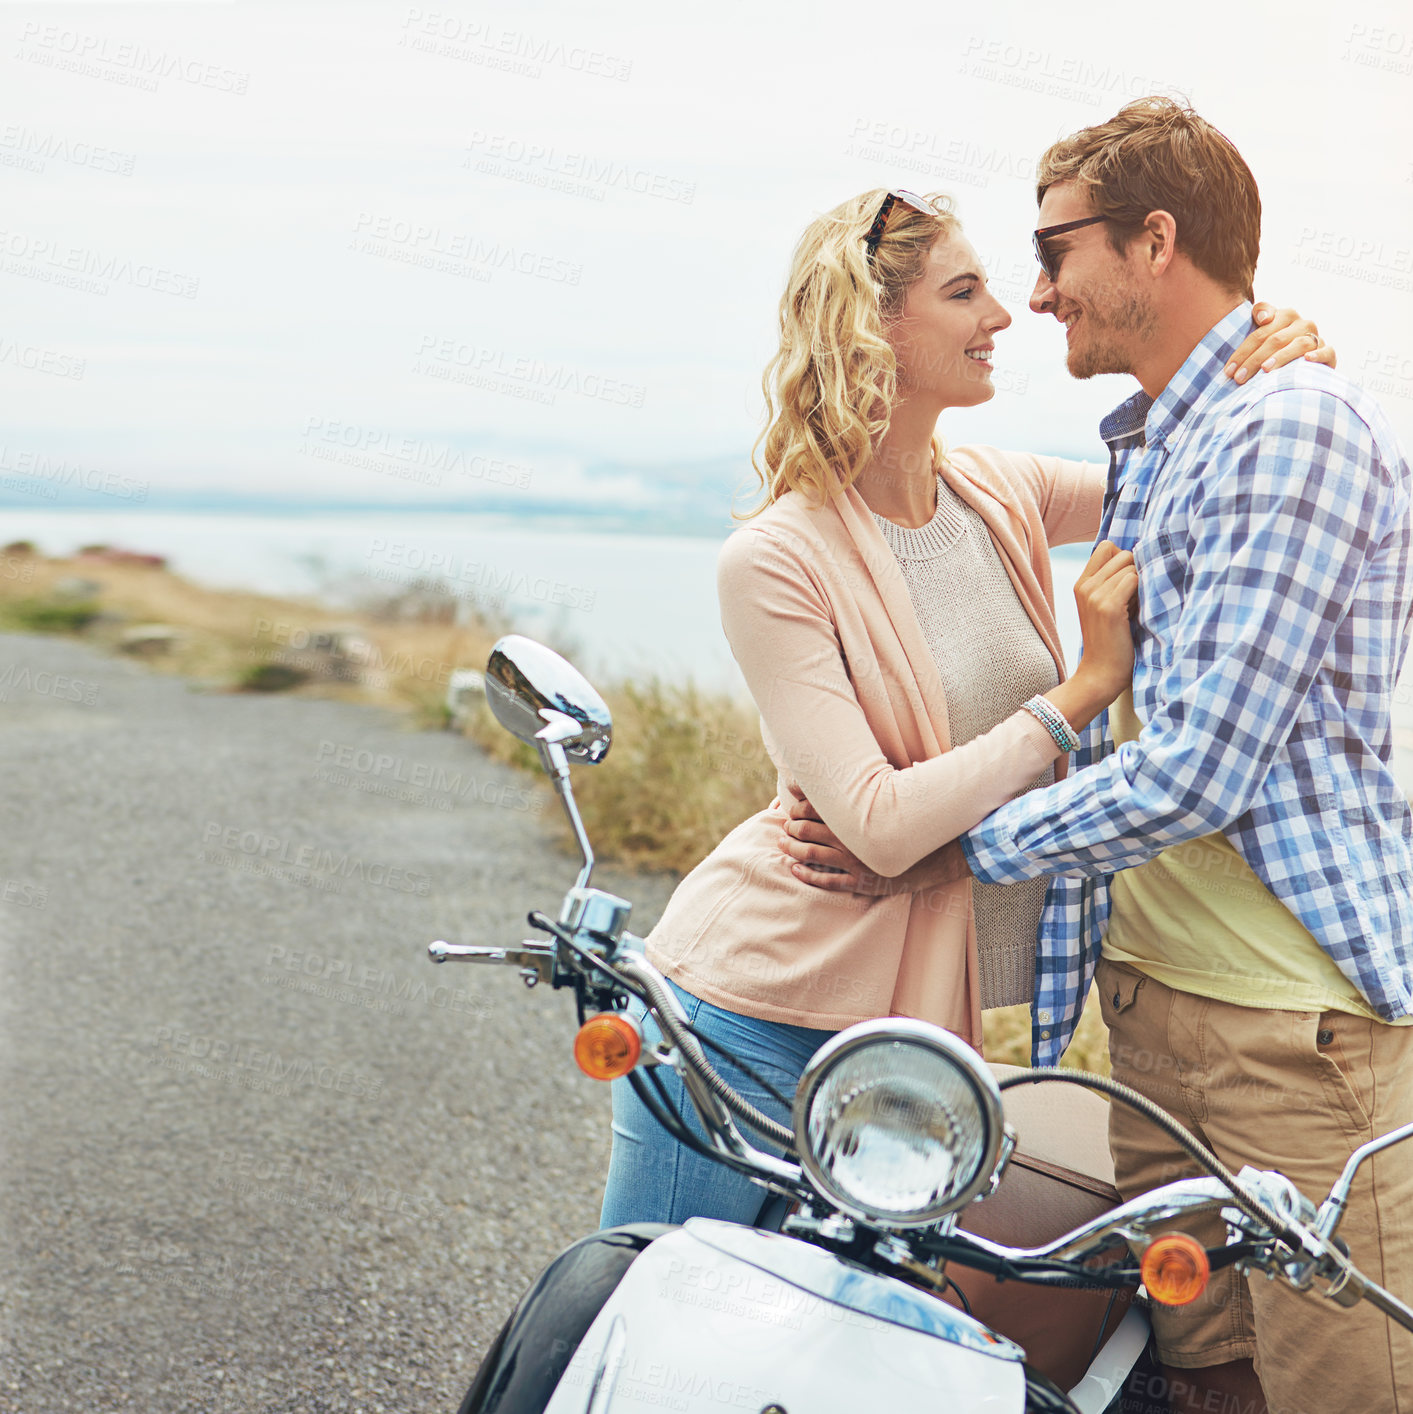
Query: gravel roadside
pixel 259 1155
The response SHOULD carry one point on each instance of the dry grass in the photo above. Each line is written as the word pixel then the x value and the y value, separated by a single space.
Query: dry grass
pixel 1006 1038
pixel 223 634
pixel 685 768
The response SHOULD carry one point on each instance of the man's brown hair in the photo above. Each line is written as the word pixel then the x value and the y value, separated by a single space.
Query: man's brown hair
pixel 1155 154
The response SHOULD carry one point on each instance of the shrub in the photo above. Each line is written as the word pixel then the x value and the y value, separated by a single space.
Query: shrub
pixel 49 615
pixel 685 768
pixel 271 677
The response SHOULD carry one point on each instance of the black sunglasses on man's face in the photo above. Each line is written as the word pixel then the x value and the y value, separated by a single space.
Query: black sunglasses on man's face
pixel 1049 267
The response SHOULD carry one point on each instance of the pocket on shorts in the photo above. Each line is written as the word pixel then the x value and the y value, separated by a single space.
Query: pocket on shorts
pixel 1118 985
pixel 1336 1058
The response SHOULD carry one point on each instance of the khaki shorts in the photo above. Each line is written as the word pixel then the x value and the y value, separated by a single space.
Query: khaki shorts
pixel 1296 1091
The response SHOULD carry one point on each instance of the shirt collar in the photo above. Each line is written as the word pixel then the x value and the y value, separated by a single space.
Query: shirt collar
pixel 1126 421
pixel 1160 417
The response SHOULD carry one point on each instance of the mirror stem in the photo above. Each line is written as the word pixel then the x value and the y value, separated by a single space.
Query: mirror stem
pixel 556 765
pixel 1332 1209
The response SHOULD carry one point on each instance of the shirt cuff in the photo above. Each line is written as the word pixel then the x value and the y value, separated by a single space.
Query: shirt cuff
pixel 992 857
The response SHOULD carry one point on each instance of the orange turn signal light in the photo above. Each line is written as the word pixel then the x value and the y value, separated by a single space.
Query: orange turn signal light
pixel 608 1045
pixel 1175 1269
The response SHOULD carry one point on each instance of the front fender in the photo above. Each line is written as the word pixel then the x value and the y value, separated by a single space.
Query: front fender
pixel 536 1344
pixel 716 1316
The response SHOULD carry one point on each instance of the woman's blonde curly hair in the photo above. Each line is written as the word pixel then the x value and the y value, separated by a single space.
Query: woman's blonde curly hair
pixel 830 389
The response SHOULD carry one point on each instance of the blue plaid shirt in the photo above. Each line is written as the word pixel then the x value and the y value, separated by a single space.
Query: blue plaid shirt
pixel 1270 525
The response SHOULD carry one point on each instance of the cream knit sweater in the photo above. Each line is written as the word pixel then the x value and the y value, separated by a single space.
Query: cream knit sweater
pixel 855 718
pixel 990 662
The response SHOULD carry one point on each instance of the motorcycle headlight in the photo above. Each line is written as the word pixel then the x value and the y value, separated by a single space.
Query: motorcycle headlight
pixel 898 1122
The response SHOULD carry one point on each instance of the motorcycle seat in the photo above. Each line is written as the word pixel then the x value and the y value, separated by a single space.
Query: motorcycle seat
pixel 1062 1132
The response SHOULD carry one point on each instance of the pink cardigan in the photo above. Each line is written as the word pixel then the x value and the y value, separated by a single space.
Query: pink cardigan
pixel 852 712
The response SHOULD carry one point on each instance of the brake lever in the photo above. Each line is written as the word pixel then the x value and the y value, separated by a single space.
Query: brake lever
pixel 534 959
pixel 1321 1253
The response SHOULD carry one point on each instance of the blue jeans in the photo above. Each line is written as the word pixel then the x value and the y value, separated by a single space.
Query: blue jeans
pixel 651 1177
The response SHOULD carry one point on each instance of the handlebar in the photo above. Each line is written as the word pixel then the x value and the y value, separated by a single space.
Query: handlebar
pixel 1332 1209
pixel 712 1097
pixel 1385 1301
pixel 534 959
pixel 1274 1227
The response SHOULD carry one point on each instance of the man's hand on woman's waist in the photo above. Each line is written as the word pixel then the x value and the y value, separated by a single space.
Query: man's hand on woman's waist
pixel 818 858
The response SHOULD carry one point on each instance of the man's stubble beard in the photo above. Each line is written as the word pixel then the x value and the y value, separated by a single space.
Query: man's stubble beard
pixel 1103 347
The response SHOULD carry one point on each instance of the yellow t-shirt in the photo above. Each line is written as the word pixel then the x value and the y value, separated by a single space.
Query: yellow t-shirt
pixel 1197 918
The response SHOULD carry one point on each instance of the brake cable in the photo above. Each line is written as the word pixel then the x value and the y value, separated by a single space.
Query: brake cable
pixel 673 1027
pixel 1188 1141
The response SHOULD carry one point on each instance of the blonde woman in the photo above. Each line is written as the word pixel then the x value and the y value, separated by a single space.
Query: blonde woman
pixel 891 609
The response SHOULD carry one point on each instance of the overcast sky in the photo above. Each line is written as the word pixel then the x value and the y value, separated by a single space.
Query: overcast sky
pixel 545 236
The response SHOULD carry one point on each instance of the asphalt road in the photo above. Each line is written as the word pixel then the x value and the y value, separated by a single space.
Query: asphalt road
pixel 258 1153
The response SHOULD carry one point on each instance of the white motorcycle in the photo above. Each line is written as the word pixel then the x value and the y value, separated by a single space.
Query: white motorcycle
pixel 889 1287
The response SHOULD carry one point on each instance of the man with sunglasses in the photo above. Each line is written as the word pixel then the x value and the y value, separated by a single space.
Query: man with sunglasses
pixel 1231 846
pixel 1232 858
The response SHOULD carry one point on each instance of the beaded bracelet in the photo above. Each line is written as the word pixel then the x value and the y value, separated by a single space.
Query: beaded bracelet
pixel 1053 720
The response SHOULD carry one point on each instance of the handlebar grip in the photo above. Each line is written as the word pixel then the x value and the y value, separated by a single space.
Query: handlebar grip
pixel 1355 1287
pixel 470 952
pixel 534 959
pixel 473 952
pixel 1386 1301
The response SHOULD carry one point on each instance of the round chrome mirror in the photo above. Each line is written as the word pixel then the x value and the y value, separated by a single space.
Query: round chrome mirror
pixel 530 687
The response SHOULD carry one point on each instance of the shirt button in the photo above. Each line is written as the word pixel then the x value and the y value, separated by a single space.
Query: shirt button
pixel 1324 1037
pixel 1042 1017
pixel 1044 1035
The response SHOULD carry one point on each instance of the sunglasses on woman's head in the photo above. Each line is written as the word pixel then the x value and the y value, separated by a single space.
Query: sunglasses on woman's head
pixel 875 231
pixel 1048 265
